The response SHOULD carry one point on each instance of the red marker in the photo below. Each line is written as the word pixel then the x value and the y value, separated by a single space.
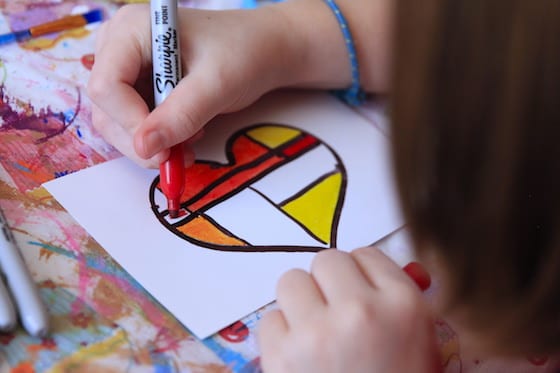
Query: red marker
pixel 172 179
pixel 166 57
pixel 418 274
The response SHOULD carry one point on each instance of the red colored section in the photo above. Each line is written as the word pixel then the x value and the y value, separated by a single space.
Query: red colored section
pixel 233 183
pixel 243 151
pixel 200 175
pixel 306 142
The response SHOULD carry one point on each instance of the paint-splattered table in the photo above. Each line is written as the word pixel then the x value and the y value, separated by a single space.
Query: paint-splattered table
pixel 102 319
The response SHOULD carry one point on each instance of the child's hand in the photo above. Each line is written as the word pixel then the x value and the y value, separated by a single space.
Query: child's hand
pixel 356 312
pixel 226 65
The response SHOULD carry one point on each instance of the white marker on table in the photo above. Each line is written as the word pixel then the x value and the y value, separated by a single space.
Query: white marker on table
pixel 32 311
pixel 8 316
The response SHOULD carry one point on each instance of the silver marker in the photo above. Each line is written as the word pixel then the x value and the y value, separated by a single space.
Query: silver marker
pixel 8 316
pixel 32 311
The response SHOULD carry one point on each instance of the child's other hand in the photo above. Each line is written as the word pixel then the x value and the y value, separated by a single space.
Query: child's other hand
pixel 355 312
pixel 226 66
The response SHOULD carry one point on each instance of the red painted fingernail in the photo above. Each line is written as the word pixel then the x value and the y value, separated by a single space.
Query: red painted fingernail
pixel 418 274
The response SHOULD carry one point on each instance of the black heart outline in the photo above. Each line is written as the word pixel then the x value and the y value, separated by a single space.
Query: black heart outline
pixel 160 215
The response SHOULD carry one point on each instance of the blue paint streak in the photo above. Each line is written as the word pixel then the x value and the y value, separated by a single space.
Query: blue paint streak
pixel 234 360
pixel 58 174
pixel 69 115
pixel 15 37
pixel 161 362
pixel 79 132
pixel 163 369
pixel 20 167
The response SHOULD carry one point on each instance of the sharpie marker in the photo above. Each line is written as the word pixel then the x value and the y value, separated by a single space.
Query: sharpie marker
pixel 166 57
pixel 32 311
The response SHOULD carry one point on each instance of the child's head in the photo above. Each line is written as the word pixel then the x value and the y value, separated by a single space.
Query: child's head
pixel 476 130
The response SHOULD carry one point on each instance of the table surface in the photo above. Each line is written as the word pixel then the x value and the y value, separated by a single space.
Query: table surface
pixel 102 319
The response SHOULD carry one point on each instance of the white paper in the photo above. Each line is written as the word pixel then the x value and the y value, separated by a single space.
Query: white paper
pixel 209 289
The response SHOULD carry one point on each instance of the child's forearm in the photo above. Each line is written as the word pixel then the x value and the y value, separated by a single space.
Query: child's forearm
pixel 319 55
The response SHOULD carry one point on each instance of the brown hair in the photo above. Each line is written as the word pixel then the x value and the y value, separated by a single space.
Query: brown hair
pixel 476 147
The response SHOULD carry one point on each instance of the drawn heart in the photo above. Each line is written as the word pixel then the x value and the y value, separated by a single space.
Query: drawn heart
pixel 281 189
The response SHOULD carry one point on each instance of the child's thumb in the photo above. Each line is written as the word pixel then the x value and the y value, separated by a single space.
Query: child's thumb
pixel 182 115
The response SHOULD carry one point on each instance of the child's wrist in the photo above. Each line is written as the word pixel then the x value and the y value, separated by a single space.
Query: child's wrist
pixel 281 64
pixel 316 57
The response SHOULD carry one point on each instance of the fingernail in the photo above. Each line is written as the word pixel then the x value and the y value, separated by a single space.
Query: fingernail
pixel 153 142
pixel 161 156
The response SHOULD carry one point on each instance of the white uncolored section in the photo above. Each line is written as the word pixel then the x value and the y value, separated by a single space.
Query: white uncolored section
pixel 259 222
pixel 290 179
pixel 207 290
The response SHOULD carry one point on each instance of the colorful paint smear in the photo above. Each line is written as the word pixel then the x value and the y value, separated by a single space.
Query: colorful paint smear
pixel 36 145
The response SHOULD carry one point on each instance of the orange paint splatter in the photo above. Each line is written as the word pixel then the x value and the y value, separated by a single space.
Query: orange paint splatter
pixel 45 254
pixel 46 344
pixel 49 284
pixel 25 367
pixel 81 319
pixel 109 299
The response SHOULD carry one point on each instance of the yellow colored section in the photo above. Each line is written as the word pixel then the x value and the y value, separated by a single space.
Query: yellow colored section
pixel 91 353
pixel 205 231
pixel 315 209
pixel 273 136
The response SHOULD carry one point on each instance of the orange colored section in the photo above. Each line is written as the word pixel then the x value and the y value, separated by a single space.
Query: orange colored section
pixel 203 230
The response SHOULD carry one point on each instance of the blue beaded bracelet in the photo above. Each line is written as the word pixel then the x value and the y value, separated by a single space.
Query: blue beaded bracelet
pixel 353 95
